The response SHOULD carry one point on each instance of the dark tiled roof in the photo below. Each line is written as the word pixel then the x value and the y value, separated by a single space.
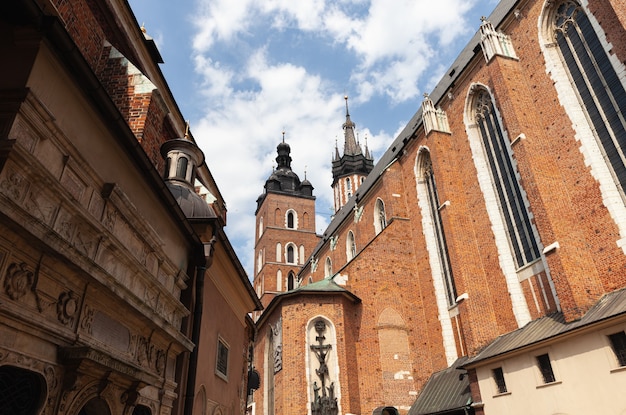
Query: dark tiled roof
pixel 610 305
pixel 444 392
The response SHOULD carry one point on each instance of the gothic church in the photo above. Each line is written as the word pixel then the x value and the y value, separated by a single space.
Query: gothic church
pixel 479 267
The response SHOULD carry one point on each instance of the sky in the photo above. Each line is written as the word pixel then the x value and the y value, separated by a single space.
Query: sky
pixel 245 71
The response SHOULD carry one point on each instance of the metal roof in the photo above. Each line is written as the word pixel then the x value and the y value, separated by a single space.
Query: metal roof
pixel 445 391
pixel 537 331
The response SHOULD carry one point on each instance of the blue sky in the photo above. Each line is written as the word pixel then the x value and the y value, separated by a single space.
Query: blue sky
pixel 244 71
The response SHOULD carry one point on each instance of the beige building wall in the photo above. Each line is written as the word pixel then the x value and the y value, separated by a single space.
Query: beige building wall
pixel 588 379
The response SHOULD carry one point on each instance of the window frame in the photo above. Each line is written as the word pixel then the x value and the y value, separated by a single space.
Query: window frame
pixel 380 216
pixel 350 246
pixel 619 356
pixel 497 375
pixel 546 371
pixel 221 346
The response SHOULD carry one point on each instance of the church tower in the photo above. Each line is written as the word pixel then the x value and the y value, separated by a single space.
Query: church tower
pixel 285 228
pixel 351 169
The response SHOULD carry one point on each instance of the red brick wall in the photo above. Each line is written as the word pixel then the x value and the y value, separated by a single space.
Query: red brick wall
pixel 143 111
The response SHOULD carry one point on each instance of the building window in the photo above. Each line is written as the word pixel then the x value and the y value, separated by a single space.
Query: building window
pixel 350 246
pixel 380 220
pixel 328 268
pixel 618 344
pixel 168 165
pixel 597 85
pixel 545 367
pixel 440 237
pixel 291 282
pixel 260 227
pixel 221 363
pixel 291 256
pixel 290 220
pixel 181 168
pixel 498 377
pixel 504 175
pixel 349 187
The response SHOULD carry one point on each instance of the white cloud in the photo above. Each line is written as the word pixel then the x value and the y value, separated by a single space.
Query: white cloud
pixel 251 96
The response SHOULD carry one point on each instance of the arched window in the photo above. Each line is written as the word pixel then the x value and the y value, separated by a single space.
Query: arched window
pixel 259 262
pixel 23 391
pixel 596 83
pixel 328 267
pixel 350 246
pixel 291 281
pixel 437 225
pixel 279 252
pixel 380 220
pixel 302 254
pixel 181 168
pixel 291 255
pixel 260 226
pixel 279 280
pixel 504 176
pixel 348 187
pixel 291 219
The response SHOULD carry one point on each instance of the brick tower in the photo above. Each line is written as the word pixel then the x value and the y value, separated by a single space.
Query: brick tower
pixel 351 169
pixel 285 228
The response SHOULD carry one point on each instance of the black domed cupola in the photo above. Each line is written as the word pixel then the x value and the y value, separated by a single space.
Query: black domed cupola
pixel 283 179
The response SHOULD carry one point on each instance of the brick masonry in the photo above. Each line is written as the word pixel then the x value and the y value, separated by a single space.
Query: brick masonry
pixel 396 328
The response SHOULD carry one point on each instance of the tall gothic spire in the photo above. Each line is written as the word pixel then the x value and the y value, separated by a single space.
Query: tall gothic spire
pixel 350 146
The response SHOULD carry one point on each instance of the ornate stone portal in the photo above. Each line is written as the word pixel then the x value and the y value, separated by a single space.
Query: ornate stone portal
pixel 326 402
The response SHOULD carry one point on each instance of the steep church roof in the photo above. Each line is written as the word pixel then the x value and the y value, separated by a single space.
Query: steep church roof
pixel 283 180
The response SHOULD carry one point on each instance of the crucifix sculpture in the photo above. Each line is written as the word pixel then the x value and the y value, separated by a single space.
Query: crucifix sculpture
pixel 324 403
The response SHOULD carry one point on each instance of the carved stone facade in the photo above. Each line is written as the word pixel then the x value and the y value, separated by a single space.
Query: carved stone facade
pixel 91 318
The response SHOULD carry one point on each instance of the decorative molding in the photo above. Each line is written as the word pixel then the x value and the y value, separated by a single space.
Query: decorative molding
pixel 495 42
pixel 434 119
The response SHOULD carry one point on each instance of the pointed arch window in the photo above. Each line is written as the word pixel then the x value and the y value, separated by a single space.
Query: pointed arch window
pixel 504 175
pixel 291 281
pixel 328 268
pixel 440 237
pixel 380 220
pixel 291 255
pixel 349 187
pixel 290 220
pixel 597 84
pixel 350 246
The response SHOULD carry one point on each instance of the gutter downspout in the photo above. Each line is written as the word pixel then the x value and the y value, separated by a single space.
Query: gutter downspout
pixel 205 264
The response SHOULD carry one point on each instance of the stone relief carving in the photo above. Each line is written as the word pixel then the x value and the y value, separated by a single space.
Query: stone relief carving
pixel 277 344
pixel 67 307
pixel 18 280
pixel 40 207
pixel 14 185
pixel 147 354
pixel 87 321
